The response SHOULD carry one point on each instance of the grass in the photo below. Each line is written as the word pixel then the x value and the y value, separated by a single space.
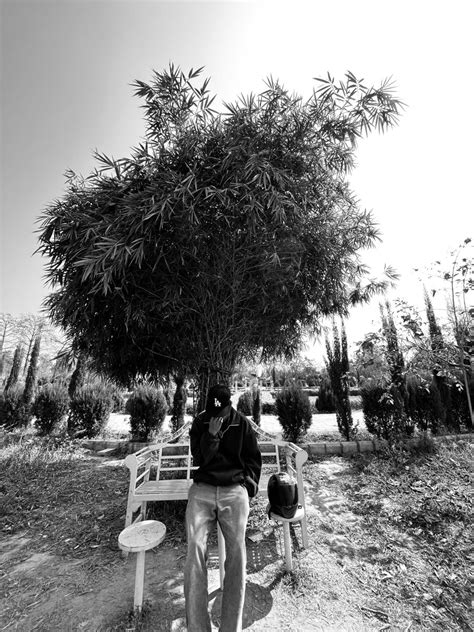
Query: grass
pixel 415 529
pixel 49 489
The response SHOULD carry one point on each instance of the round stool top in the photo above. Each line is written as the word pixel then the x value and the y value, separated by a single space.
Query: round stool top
pixel 142 536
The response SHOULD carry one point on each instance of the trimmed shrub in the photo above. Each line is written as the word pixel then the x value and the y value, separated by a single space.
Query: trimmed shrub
pixel 250 404
pixel 14 413
pixel 147 408
pixel 269 408
pixel 50 408
pixel 90 410
pixel 326 402
pixel 377 409
pixel 245 402
pixel 293 412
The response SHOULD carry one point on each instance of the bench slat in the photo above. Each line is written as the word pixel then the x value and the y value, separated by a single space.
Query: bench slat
pixel 178 467
pixel 175 489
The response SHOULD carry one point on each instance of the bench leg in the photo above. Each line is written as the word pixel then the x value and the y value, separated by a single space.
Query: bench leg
pixel 221 549
pixel 139 579
pixel 143 510
pixel 304 533
pixel 287 542
pixel 128 514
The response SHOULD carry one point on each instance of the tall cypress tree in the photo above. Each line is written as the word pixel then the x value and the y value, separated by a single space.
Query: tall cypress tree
pixel 337 364
pixel 15 370
pixel 395 357
pixel 30 382
pixel 396 363
pixel 436 336
pixel 445 410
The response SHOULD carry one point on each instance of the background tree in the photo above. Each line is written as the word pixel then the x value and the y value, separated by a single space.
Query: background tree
pixel 446 351
pixel 5 324
pixel 369 359
pixel 23 330
pixel 224 235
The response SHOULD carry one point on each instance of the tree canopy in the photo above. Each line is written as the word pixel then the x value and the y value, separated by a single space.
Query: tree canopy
pixel 223 234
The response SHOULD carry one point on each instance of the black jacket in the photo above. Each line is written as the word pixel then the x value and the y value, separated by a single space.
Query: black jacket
pixel 232 456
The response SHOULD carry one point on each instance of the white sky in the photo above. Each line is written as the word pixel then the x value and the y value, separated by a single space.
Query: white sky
pixel 66 67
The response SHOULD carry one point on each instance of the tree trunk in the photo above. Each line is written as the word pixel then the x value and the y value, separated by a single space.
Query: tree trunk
pixel 179 404
pixel 208 377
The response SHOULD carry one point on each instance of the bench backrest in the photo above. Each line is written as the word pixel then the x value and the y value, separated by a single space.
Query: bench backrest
pixel 151 462
pixel 174 460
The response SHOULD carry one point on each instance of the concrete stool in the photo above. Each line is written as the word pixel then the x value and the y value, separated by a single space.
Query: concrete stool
pixel 139 538
pixel 298 517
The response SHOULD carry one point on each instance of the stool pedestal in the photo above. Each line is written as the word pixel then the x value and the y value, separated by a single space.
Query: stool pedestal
pixel 139 538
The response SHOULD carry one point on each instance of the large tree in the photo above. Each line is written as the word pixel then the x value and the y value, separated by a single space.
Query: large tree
pixel 223 234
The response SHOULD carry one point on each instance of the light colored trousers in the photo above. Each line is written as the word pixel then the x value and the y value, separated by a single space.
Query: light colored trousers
pixel 229 506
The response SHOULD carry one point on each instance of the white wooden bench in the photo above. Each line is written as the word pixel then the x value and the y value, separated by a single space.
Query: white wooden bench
pixel 163 472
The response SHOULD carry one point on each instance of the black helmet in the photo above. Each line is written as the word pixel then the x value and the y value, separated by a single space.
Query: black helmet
pixel 282 492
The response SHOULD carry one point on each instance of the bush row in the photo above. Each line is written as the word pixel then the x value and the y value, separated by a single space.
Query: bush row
pixel 86 413
pixel 425 403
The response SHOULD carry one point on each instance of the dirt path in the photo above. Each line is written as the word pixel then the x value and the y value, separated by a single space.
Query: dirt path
pixel 45 592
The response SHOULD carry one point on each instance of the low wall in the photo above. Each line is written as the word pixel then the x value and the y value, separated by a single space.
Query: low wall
pixel 314 449
pixel 323 448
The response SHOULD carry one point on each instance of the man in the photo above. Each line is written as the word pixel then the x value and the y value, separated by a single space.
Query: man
pixel 225 448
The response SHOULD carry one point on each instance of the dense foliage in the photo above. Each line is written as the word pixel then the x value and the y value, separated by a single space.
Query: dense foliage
pixel 245 402
pixel 223 235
